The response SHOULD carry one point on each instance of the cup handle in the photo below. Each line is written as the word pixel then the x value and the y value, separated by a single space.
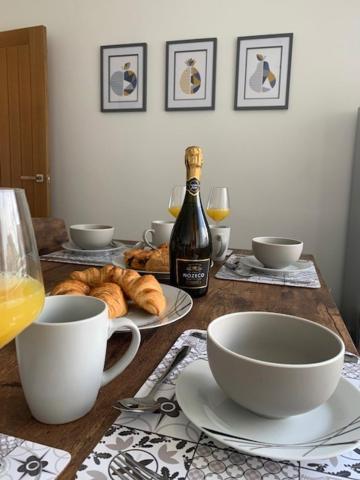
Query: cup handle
pixel 115 325
pixel 220 238
pixel 146 240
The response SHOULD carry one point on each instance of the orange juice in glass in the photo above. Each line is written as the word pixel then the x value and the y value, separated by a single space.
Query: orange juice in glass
pixel 176 200
pixel 21 287
pixel 21 301
pixel 218 206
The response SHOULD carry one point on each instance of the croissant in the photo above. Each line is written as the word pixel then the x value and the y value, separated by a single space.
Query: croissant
pixel 112 295
pixel 93 276
pixel 71 287
pixel 164 247
pixel 158 262
pixel 145 291
pixel 124 278
pixel 137 258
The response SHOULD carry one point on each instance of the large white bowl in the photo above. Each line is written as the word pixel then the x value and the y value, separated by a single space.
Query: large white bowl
pixel 277 252
pixel 272 364
pixel 91 236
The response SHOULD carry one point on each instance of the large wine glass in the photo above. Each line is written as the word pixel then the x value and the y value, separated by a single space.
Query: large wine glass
pixel 21 286
pixel 21 292
pixel 176 199
pixel 218 206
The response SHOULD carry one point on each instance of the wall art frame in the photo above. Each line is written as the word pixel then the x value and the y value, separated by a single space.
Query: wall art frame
pixel 263 66
pixel 190 79
pixel 123 76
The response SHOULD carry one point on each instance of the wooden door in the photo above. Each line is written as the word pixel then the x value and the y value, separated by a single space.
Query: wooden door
pixel 23 115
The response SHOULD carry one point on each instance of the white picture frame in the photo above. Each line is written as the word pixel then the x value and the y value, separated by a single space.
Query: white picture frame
pixel 263 65
pixel 123 77
pixel 190 74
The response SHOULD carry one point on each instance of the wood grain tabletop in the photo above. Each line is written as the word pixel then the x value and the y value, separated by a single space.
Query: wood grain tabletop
pixel 224 296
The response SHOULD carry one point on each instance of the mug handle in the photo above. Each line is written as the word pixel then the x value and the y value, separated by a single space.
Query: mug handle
pixel 146 240
pixel 222 248
pixel 115 325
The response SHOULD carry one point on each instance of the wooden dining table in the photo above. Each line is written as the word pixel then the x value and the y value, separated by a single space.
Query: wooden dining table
pixel 224 296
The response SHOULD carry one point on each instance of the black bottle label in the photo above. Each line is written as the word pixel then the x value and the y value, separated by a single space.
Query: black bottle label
pixel 193 186
pixel 192 273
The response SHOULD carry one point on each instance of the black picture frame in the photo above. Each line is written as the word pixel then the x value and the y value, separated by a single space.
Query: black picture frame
pixel 283 43
pixel 197 46
pixel 110 98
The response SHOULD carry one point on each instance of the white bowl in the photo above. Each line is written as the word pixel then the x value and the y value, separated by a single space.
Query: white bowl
pixel 91 236
pixel 273 364
pixel 277 252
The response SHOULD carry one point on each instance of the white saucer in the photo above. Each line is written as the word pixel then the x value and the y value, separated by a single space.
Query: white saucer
pixel 178 304
pixel 325 432
pixel 252 262
pixel 114 246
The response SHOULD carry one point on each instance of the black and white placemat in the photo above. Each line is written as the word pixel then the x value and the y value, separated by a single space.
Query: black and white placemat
pixel 97 260
pixel 305 278
pixel 22 459
pixel 166 442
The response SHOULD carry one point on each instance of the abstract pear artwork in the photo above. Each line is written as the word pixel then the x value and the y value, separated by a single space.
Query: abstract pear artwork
pixel 263 72
pixel 262 76
pixel 123 81
pixel 190 80
pixel 190 74
pixel 123 77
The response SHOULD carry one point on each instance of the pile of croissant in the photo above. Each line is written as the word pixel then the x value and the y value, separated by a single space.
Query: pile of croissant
pixel 115 285
pixel 155 260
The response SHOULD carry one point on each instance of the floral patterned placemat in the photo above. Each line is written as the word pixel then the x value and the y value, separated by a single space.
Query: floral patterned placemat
pixel 240 272
pixel 21 459
pixel 168 443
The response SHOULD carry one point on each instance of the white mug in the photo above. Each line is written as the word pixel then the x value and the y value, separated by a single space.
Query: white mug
pixel 220 236
pixel 160 233
pixel 61 357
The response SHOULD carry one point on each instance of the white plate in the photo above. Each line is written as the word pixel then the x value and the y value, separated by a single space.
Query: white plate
pixel 325 432
pixel 253 262
pixel 179 303
pixel 119 261
pixel 114 246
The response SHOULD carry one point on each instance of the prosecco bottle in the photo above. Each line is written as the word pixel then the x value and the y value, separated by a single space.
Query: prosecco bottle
pixel 190 243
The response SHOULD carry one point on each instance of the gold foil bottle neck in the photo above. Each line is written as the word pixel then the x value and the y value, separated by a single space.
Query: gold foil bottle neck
pixel 194 161
pixel 194 157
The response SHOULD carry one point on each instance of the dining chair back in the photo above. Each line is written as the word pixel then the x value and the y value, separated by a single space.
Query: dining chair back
pixel 50 234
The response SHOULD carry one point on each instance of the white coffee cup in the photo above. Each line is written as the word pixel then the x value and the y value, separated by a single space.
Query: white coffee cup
pixel 61 357
pixel 160 233
pixel 220 236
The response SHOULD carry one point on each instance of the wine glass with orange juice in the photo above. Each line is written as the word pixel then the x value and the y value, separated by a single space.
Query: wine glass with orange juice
pixel 176 199
pixel 218 206
pixel 22 292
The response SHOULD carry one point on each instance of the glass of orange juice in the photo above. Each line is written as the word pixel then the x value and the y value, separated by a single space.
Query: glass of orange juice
pixel 21 285
pixel 176 200
pixel 218 206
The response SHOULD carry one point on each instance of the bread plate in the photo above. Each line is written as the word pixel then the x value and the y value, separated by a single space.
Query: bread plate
pixel 178 304
pixel 119 261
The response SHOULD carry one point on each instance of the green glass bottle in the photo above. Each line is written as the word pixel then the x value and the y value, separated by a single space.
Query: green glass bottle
pixel 190 243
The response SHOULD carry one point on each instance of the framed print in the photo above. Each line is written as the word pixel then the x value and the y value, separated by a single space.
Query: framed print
pixel 123 77
pixel 263 66
pixel 190 74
